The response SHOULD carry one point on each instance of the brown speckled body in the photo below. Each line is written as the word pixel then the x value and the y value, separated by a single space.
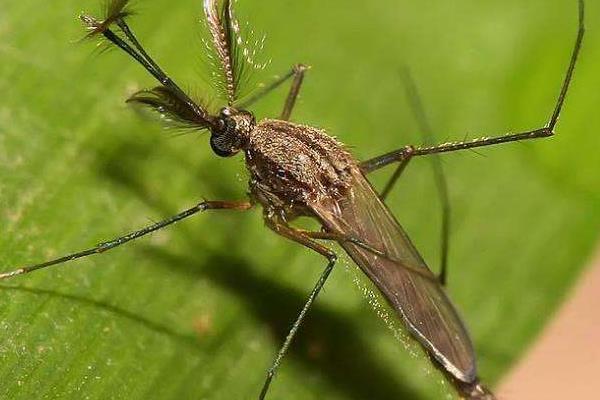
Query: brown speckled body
pixel 292 166
pixel 300 170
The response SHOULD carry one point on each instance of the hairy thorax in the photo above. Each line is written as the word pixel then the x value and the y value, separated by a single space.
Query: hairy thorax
pixel 293 165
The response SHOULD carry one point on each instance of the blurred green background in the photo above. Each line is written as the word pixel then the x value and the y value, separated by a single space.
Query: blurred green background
pixel 197 311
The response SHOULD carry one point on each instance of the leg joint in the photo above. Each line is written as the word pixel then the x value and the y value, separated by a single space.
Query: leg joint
pixel 332 257
pixel 547 132
pixel 408 151
pixel 300 68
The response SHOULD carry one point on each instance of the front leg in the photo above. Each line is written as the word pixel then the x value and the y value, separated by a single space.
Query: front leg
pixel 297 73
pixel 111 244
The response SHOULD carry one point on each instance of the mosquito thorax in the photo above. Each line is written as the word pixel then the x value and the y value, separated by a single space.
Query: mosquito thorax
pixel 231 131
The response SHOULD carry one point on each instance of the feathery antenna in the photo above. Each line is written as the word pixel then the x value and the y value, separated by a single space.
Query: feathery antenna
pixel 169 100
pixel 233 54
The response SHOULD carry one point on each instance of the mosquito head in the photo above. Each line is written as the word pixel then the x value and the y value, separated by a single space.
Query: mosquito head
pixel 231 131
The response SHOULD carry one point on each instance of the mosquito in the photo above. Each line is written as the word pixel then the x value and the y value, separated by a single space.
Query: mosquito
pixel 298 170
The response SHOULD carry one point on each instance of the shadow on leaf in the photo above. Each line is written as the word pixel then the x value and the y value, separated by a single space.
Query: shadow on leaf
pixel 327 341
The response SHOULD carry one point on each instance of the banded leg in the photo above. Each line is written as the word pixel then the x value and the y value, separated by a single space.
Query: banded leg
pixel 548 130
pixel 111 244
pixel 297 73
pixel 331 257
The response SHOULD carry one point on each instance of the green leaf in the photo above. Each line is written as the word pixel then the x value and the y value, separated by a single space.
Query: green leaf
pixel 197 311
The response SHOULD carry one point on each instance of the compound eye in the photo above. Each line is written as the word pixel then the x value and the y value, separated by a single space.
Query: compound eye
pixel 221 125
pixel 230 124
pixel 222 145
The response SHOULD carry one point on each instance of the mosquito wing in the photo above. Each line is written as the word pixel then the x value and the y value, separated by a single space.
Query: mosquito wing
pixel 420 302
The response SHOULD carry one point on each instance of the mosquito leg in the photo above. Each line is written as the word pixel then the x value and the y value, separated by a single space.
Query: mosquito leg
pixel 297 73
pixel 267 89
pixel 331 257
pixel 290 101
pixel 111 244
pixel 546 131
pixel 441 184
pixel 338 237
pixel 403 157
